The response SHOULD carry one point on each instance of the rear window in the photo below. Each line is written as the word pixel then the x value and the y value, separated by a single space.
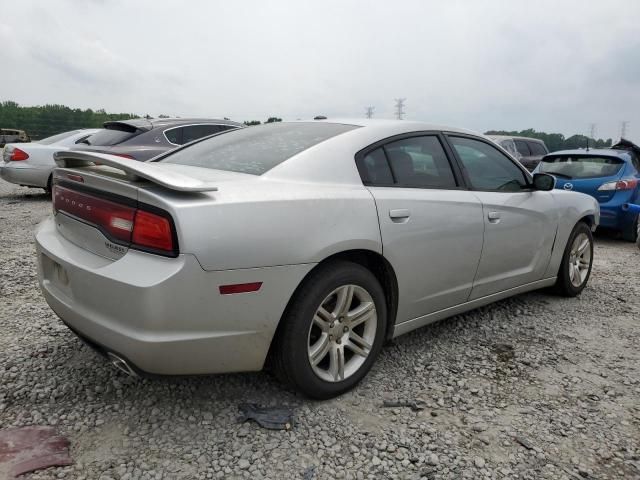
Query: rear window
pixel 537 148
pixel 112 135
pixel 56 138
pixel 256 150
pixel 581 166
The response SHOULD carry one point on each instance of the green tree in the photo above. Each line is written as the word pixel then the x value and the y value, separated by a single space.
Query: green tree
pixel 251 123
pixel 273 119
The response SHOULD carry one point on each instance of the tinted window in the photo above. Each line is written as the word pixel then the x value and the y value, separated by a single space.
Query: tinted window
pixel 420 162
pixel 374 169
pixel 486 167
pixel 112 135
pixel 174 135
pixel 256 150
pixel 537 148
pixel 522 147
pixel 195 132
pixel 56 138
pixel 581 167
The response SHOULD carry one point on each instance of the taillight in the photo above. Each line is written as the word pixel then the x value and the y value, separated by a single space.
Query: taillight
pixel 17 155
pixel 127 225
pixel 152 231
pixel 624 184
pixel 125 155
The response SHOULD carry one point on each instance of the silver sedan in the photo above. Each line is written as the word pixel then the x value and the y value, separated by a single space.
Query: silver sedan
pixel 303 246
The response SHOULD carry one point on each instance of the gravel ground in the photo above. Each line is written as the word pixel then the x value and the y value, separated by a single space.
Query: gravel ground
pixel 535 387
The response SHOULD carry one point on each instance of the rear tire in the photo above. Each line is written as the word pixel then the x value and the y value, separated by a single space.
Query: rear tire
pixel 630 234
pixel 577 261
pixel 48 188
pixel 339 310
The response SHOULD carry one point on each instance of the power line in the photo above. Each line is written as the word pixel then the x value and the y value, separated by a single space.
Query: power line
pixel 400 107
pixel 623 128
pixel 369 112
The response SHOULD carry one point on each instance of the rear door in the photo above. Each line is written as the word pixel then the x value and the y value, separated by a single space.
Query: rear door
pixel 431 226
pixel 519 223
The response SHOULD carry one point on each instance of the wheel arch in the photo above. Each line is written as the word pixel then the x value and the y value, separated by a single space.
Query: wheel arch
pixel 373 261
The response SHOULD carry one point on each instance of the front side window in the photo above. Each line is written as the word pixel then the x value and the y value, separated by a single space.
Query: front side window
pixel 522 147
pixel 586 166
pixel 487 168
pixel 256 150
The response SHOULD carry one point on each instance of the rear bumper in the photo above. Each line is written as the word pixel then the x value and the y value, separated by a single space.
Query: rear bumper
pixel 165 315
pixel 611 213
pixel 22 174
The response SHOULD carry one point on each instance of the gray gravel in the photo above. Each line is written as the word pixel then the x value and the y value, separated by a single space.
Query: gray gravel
pixel 535 387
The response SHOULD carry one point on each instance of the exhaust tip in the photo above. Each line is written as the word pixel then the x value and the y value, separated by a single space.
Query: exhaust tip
pixel 121 364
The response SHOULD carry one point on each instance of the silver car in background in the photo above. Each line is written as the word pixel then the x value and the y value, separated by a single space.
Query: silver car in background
pixel 304 245
pixel 31 164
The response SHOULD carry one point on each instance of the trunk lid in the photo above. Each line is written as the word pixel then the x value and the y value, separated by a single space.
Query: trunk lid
pixel 107 204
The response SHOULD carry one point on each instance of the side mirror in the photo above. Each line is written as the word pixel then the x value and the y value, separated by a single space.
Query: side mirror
pixel 544 182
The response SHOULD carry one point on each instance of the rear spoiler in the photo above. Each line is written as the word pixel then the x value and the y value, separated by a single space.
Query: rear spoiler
pixel 135 170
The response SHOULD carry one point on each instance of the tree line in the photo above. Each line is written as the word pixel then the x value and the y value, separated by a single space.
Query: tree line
pixel 557 141
pixel 46 120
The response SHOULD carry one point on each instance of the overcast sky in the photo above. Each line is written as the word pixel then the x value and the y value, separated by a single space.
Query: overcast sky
pixel 479 64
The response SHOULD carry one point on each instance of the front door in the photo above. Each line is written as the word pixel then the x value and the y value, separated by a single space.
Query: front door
pixel 520 223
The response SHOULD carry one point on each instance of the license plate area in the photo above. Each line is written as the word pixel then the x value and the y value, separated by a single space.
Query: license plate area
pixel 55 274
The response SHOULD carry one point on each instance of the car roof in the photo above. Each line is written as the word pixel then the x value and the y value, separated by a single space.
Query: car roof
pixel 514 137
pixel 151 123
pixel 408 125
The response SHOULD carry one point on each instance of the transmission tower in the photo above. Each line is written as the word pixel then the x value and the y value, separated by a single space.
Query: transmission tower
pixel 623 128
pixel 369 112
pixel 592 131
pixel 400 107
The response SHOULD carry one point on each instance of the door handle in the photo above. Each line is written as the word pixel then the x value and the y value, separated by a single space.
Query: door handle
pixel 399 214
pixel 494 217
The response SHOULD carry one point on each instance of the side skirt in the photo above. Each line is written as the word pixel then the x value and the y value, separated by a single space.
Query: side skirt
pixel 410 325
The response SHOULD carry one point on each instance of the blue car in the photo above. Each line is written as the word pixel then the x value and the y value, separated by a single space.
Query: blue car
pixel 611 176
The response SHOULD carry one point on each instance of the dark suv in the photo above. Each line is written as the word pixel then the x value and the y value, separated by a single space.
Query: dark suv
pixel 529 151
pixel 142 139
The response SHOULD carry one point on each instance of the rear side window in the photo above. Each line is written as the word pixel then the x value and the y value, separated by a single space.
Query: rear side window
pixel 581 166
pixel 256 150
pixel 112 135
pixel 194 132
pixel 420 162
pixel 374 168
pixel 537 148
pixel 523 148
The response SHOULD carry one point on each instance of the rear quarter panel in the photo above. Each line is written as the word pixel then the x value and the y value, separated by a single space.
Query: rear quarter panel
pixel 268 223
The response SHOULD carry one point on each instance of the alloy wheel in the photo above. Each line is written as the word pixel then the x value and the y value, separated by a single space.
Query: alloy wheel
pixel 580 259
pixel 342 333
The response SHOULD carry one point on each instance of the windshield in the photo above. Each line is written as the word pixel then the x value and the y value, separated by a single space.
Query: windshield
pixel 581 166
pixel 56 138
pixel 256 150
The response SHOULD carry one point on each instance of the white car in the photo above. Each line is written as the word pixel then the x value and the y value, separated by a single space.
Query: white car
pixel 31 164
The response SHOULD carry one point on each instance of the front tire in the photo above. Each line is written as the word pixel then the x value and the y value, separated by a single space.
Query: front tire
pixel 577 261
pixel 332 331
